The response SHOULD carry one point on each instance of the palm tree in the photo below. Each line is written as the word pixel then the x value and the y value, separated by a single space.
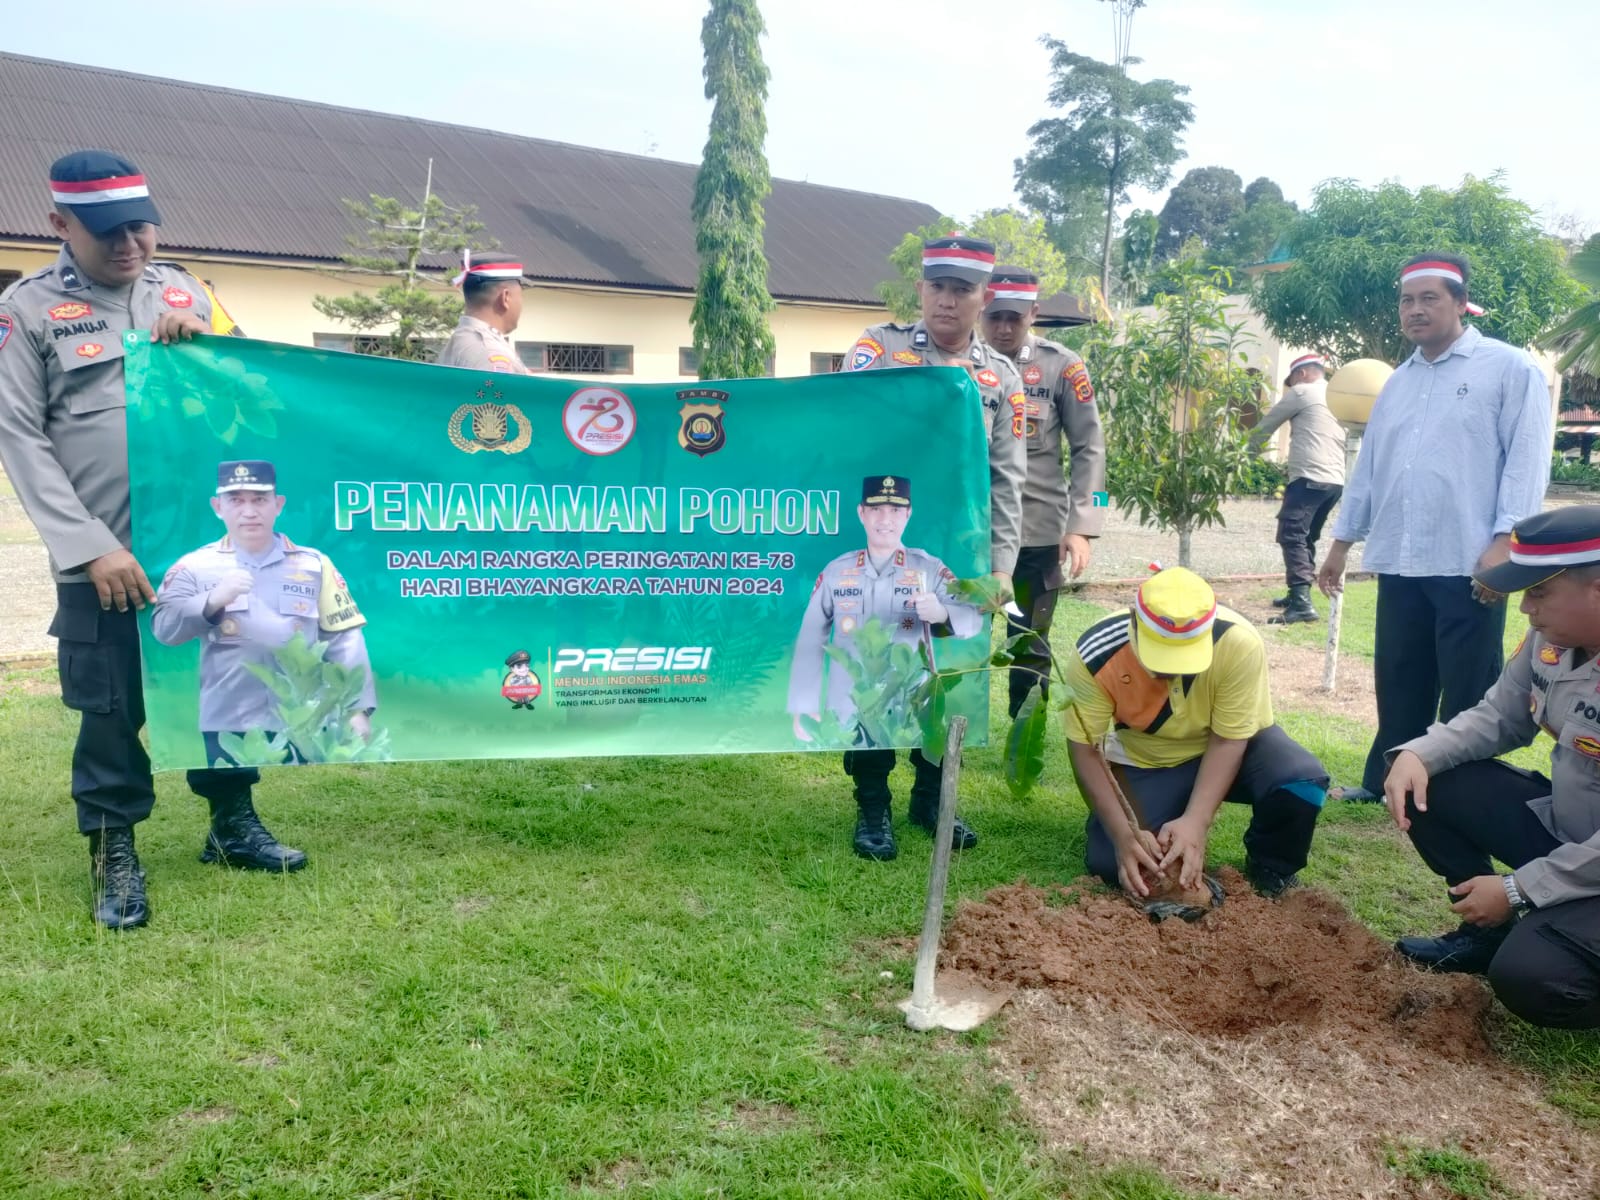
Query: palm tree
pixel 1577 338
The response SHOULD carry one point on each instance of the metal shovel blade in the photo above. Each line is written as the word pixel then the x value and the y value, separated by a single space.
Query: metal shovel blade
pixel 953 1000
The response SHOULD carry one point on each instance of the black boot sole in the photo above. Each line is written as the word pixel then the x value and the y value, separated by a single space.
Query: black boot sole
pixel 213 854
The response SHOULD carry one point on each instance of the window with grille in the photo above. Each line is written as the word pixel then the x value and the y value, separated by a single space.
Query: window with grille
pixel 7 278
pixel 826 364
pixel 364 343
pixel 689 363
pixel 576 358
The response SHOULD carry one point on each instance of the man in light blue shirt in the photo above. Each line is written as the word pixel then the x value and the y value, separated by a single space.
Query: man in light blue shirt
pixel 1457 452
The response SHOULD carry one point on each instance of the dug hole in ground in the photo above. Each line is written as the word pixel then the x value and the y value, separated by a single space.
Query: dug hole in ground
pixel 1272 1048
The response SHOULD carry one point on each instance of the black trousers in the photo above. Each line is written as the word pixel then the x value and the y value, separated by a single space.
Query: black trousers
pixel 1281 822
pixel 1437 652
pixel 1547 971
pixel 870 770
pixel 1304 511
pixel 98 656
pixel 1037 582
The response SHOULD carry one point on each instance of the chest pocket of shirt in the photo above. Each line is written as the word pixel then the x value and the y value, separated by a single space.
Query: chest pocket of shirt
pixel 90 376
pixel 1042 424
pixel 1580 741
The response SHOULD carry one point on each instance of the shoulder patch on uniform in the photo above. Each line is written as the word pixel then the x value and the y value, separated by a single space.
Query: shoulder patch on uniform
pixel 336 607
pixel 1019 413
pixel 866 351
pixel 5 330
pixel 1104 638
pixel 1078 376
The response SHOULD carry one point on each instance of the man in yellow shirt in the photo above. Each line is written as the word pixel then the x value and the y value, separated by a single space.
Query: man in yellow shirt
pixel 1169 697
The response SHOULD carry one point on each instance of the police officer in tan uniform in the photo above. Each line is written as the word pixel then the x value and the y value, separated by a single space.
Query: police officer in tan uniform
pixel 492 290
pixel 1058 518
pixel 954 288
pixel 1535 929
pixel 908 592
pixel 63 439
pixel 243 598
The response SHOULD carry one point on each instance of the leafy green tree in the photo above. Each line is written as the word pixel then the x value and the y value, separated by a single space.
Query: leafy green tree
pixel 731 335
pixel 1253 234
pixel 402 318
pixel 1340 294
pixel 1137 265
pixel 1118 133
pixel 1577 338
pixel 1175 386
pixel 1020 240
pixel 1201 205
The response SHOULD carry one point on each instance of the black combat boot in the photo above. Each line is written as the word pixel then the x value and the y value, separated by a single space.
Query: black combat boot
pixel 1280 602
pixel 119 901
pixel 874 836
pixel 925 806
pixel 239 839
pixel 1299 609
pixel 1467 951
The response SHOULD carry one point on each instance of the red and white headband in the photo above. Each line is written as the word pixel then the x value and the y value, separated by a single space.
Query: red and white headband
pixel 1169 630
pixel 957 256
pixel 1440 270
pixel 489 268
pixel 99 191
pixel 1557 554
pixel 1006 289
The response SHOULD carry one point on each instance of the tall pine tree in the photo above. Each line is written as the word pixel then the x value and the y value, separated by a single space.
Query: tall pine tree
pixel 731 337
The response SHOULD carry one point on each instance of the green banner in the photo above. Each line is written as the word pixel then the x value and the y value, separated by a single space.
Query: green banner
pixel 366 559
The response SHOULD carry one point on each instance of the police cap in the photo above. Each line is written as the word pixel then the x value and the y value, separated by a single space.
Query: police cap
pixel 1545 545
pixel 1016 290
pixel 957 257
pixel 518 658
pixel 246 475
pixel 101 190
pixel 886 489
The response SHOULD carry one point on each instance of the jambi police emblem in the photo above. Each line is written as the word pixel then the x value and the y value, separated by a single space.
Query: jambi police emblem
pixel 701 432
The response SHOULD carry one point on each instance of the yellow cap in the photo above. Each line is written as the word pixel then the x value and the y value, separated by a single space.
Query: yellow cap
pixel 1172 619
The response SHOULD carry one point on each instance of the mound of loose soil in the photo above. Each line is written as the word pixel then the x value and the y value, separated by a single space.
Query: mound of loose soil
pixel 1251 966
pixel 1272 1049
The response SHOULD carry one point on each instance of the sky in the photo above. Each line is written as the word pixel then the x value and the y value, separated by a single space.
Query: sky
pixel 935 107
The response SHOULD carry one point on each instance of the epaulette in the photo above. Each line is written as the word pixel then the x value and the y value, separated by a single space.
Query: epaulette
pixel 35 277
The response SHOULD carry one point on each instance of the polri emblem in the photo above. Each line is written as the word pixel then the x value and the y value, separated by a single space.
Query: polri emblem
pixel 90 350
pixel 1032 375
pixel 988 378
pixel 1550 655
pixel 176 297
pixel 489 427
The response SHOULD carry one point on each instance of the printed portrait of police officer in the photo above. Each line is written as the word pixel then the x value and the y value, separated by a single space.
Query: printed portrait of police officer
pixel 908 592
pixel 244 597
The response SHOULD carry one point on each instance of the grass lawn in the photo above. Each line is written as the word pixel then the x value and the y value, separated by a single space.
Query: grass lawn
pixel 588 977
pixel 1358 620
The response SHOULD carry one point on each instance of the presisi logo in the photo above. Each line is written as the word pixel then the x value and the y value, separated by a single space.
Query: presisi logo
pixel 633 658
pixel 1101 499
